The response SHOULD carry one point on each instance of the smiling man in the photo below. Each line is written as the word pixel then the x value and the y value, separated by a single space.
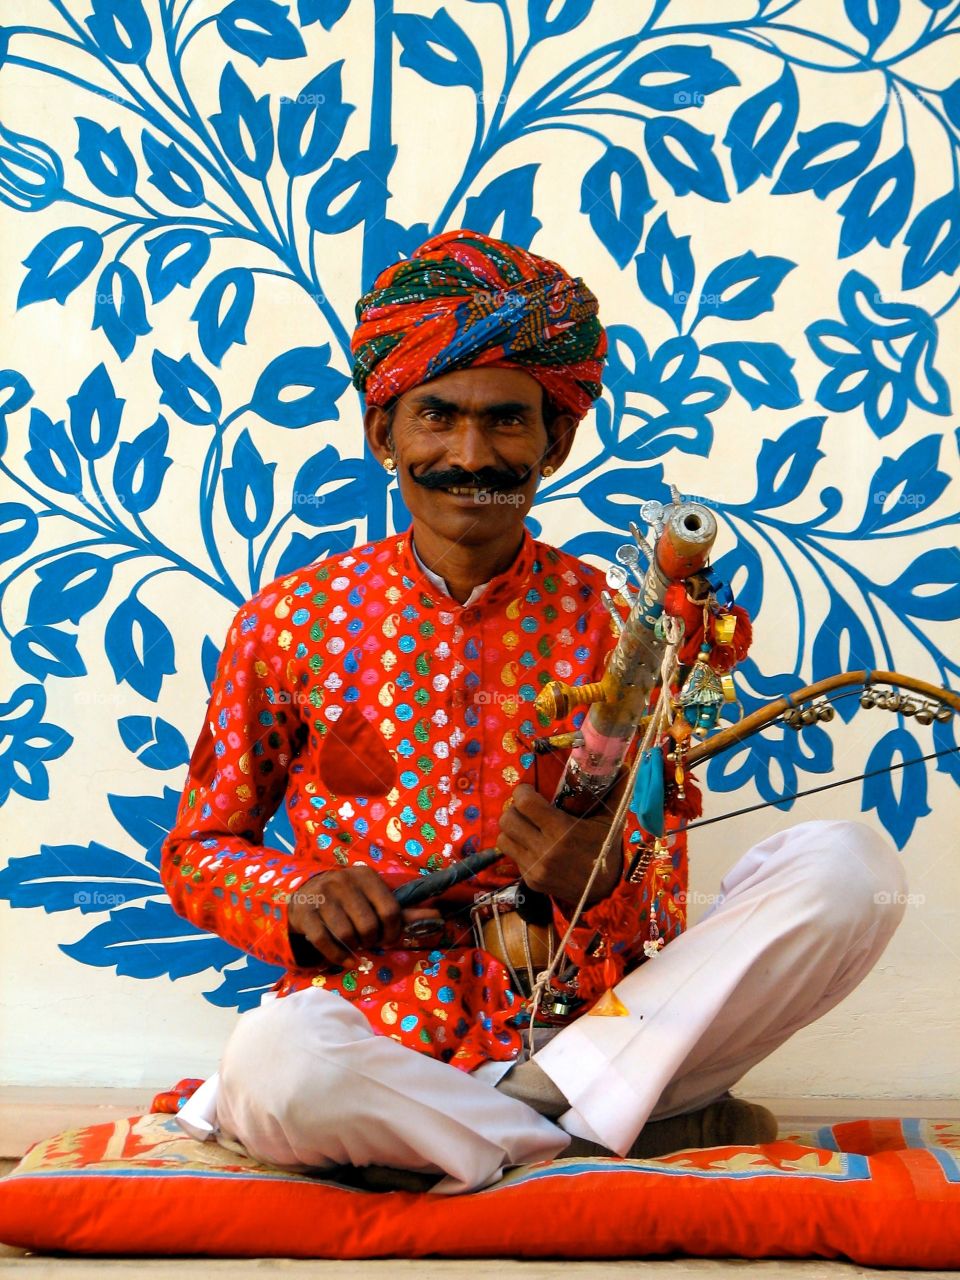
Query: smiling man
pixel 385 697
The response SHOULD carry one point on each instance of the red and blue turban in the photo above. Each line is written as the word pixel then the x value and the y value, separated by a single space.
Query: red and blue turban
pixel 466 301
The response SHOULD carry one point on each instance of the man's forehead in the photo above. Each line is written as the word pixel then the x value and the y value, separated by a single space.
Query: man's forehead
pixel 477 388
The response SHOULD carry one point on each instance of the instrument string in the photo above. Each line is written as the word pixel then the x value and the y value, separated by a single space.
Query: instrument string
pixel 812 791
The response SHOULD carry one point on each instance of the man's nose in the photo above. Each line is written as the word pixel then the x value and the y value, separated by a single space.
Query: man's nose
pixel 469 446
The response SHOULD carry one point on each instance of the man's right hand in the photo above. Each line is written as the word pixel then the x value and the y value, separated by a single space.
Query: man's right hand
pixel 338 913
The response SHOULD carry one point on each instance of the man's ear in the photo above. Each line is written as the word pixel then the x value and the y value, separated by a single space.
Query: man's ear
pixel 377 426
pixel 562 431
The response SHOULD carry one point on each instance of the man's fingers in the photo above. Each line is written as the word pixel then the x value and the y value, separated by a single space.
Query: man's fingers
pixel 322 940
pixel 518 826
pixel 383 905
pixel 529 804
pixel 338 924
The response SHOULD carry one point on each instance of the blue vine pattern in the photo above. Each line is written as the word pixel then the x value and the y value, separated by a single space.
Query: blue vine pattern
pixel 146 203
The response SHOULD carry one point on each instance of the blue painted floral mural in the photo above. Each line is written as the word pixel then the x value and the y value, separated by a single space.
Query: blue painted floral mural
pixel 202 188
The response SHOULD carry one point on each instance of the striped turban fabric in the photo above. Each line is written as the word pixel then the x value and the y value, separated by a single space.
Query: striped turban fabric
pixel 466 301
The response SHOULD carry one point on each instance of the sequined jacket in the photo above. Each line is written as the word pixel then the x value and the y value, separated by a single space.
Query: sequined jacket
pixel 394 724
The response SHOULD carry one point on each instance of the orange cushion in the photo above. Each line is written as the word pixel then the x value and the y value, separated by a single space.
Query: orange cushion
pixel 879 1192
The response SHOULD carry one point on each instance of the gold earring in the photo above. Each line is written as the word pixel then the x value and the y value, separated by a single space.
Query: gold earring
pixel 547 471
pixel 390 464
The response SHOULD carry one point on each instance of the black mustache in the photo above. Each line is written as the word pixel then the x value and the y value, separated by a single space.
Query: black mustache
pixel 494 479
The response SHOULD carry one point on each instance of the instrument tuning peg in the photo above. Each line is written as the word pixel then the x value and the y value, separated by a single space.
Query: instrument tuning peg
pixel 641 542
pixel 675 496
pixel 651 513
pixel 629 555
pixel 611 608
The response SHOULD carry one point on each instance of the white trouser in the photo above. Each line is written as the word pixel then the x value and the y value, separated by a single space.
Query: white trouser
pixel 799 921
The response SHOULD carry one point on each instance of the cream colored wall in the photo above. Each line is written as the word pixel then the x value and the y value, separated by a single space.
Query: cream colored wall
pixel 61 1022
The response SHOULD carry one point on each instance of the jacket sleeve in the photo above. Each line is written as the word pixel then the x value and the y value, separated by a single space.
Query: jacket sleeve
pixel 213 864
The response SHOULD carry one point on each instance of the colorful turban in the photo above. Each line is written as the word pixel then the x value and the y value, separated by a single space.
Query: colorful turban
pixel 466 301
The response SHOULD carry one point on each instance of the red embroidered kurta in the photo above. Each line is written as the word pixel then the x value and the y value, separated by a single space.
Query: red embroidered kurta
pixel 394 723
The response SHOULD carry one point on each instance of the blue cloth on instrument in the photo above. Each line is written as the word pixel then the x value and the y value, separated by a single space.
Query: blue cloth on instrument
pixel 647 801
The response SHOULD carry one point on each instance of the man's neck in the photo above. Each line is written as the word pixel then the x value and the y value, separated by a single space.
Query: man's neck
pixel 465 567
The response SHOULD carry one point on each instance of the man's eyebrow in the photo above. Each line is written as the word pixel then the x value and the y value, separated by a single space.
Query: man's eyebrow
pixel 491 410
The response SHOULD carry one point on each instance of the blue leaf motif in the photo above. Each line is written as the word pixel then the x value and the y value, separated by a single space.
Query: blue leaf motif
pixel 945 739
pixel 950 98
pixel 771 761
pixel 243 122
pixel 785 465
pixel 175 257
pixel 864 219
pixel 881 357
pixel 95 398
pixel 29 744
pixel 362 175
pixel 189 392
pixel 618 222
pixel 45 651
pixel 18 393
pixel 934 241
pixel 51 456
pixel 260 29
pixel 902 486
pixel 327 12
pixel 139 647
pixel 302 550
pixel 124 323
pixel 815 166
pixel 760 371
pixel 874 19
pixel 565 18
pixel 509 195
pixel 121 28
pixel 219 327
pixel 694 73
pixel 209 659
pixel 149 942
pixel 249 479
pixel 667 138
pixel 305 368
pixel 898 813
pixel 155 743
pixel 841 644
pixel 665 270
pixel 140 467
pixel 69 587
pixel 58 263
pixel 438 49
pixel 753 153
pixel 18 528
pixel 912 593
pixel 667 377
pixel 742 288
pixel 636 484
pixel 107 160
pixel 71 877
pixel 312 124
pixel 742 569
pixel 243 988
pixel 171 172
pixel 328 489
pixel 147 819
pixel 31 174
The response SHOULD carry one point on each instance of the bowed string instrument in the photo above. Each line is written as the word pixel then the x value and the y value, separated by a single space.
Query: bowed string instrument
pixel 667 680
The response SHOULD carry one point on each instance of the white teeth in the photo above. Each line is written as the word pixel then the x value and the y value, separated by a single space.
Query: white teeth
pixel 462 492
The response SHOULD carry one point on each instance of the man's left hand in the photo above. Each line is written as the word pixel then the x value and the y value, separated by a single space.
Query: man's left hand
pixel 556 852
